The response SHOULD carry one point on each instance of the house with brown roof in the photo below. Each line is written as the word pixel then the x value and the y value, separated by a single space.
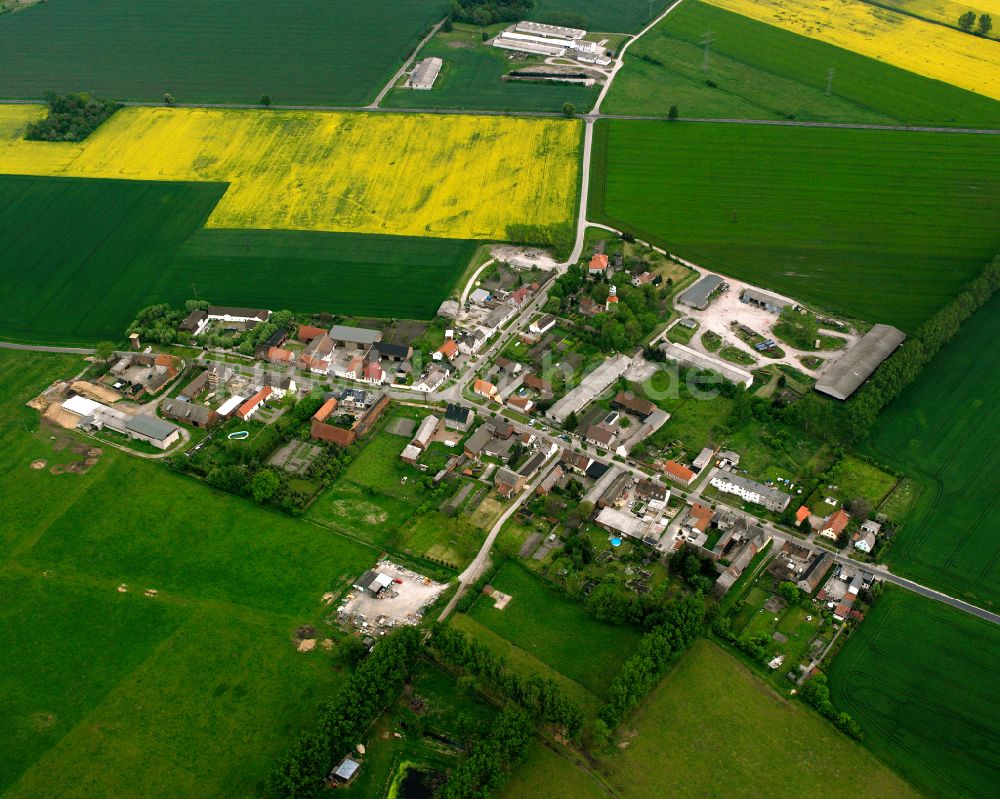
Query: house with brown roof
pixel 317 355
pixel 523 404
pixel 320 431
pixel 628 401
pixel 601 436
pixel 698 518
pixel 195 388
pixel 277 355
pixel 194 323
pixel 535 383
pixel 508 483
pixel 551 480
pixel 678 473
pixel 575 461
pixel 187 412
pixel 307 333
pixel 589 308
pixel 834 524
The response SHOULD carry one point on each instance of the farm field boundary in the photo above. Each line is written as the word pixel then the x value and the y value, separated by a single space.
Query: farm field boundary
pixel 758 71
pixel 226 50
pixel 440 176
pixel 710 692
pixel 840 218
pixel 943 430
pixel 921 680
pixel 907 42
pixel 79 257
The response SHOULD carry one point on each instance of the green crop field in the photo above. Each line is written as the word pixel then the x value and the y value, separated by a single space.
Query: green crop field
pixel 764 745
pixel 472 78
pixel 881 225
pixel 300 52
pixel 556 630
pixel 108 692
pixel 923 681
pixel 943 429
pixel 763 72
pixel 626 16
pixel 79 257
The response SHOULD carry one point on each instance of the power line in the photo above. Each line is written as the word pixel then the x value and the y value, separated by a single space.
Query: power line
pixel 829 81
pixel 706 40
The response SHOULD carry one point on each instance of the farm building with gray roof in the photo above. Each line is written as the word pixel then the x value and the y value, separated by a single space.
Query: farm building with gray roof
pixel 845 375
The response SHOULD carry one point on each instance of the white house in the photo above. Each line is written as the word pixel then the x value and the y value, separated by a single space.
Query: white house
pixel 752 491
pixel 542 324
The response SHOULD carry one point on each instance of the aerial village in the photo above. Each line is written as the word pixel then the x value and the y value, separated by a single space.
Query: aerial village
pixel 514 392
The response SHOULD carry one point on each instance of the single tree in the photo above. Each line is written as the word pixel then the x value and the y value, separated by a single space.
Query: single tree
pixel 265 99
pixel 673 113
pixel 569 110
pixel 168 98
pixel 104 350
pixel 967 21
pixel 985 25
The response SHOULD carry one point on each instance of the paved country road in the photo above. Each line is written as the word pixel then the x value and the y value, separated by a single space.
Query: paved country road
pixel 9 345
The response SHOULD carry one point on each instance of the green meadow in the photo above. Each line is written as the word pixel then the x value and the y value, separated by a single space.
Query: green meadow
pixel 558 631
pixel 762 72
pixel 879 225
pixel 108 691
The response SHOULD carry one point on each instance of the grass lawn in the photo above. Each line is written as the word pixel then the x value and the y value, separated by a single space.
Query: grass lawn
pixel 855 478
pixel 370 500
pixel 472 78
pixel 79 257
pixel 943 431
pixel 109 693
pixel 312 53
pixel 923 681
pixel 765 745
pixel 764 72
pixel 841 218
pixel 556 630
pixel 551 773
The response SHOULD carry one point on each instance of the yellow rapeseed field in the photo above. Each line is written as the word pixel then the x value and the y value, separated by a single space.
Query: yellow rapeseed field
pixel 404 174
pixel 923 47
pixel 947 11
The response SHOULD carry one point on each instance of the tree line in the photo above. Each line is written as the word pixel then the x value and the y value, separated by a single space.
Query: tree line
pixel 487 12
pixel 906 363
pixel 968 23
pixel 542 697
pixel 376 681
pixel 682 622
pixel 483 773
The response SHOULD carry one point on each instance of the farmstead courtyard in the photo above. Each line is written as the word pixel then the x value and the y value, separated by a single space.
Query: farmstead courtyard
pixel 408 175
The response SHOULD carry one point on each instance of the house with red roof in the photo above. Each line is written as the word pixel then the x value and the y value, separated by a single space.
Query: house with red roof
pixel 801 515
pixel 598 265
pixel 834 524
pixel 678 473
pixel 252 405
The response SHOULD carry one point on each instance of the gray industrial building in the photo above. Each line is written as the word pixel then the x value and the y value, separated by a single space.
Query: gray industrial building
pixel 697 296
pixel 844 376
pixel 766 300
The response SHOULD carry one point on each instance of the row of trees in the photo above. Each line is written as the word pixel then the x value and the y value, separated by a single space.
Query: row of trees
pixel 816 692
pixel 682 622
pixel 374 684
pixel 968 23
pixel 903 366
pixel 487 12
pixel 542 697
pixel 72 117
pixel 483 773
